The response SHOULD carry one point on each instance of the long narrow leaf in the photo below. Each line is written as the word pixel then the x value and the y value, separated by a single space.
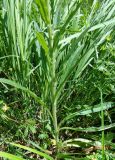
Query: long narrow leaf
pixel 33 151
pixel 10 156
pixel 90 129
pixel 94 109
pixel 14 84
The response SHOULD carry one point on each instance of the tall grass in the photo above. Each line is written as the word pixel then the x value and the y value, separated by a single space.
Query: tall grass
pixel 66 40
pixel 18 38
pixel 69 54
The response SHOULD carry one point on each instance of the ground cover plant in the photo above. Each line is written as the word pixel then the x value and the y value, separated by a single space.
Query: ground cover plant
pixel 57 79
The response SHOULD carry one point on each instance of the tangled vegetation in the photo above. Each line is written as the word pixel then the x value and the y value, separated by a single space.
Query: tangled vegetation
pixel 57 79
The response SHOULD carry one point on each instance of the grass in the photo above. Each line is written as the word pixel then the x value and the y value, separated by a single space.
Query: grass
pixel 58 53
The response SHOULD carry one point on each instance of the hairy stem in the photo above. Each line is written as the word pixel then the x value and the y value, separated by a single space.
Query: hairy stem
pixel 53 84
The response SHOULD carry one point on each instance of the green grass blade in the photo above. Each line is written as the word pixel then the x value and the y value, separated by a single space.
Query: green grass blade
pixel 33 151
pixel 102 25
pixel 42 42
pixel 94 109
pixel 103 126
pixel 70 64
pixel 10 156
pixel 68 19
pixel 16 85
pixel 43 6
pixel 90 129
pixel 84 62
pixel 78 37
pixel 73 10
pixel 71 156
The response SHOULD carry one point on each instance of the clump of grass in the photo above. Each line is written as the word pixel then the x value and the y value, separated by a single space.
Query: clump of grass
pixel 57 49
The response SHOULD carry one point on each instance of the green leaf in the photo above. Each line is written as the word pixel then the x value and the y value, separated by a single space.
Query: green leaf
pixel 44 9
pixel 78 37
pixel 70 65
pixel 85 60
pixel 97 108
pixel 77 140
pixel 14 84
pixel 73 61
pixel 38 147
pixel 71 156
pixel 33 151
pixel 42 42
pixel 102 25
pixel 90 129
pixel 69 17
pixel 10 156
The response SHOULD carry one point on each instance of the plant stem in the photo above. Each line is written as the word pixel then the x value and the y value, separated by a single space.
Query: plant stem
pixel 102 124
pixel 53 85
